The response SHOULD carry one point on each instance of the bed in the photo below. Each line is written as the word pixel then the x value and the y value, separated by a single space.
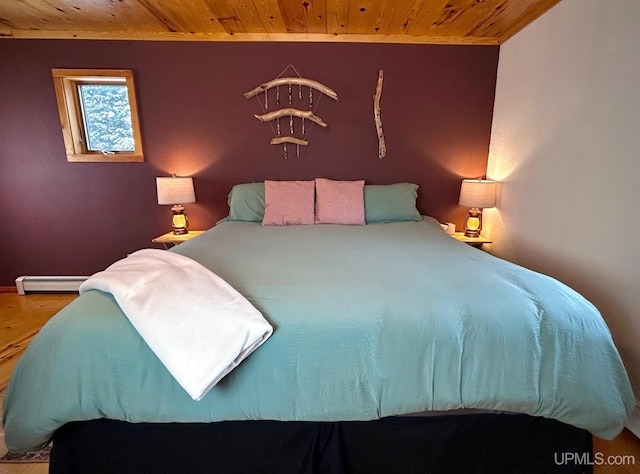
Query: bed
pixel 395 348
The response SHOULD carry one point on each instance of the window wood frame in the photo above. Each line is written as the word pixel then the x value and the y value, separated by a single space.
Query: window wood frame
pixel 66 83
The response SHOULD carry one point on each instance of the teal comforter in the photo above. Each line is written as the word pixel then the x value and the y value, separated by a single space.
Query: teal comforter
pixel 369 321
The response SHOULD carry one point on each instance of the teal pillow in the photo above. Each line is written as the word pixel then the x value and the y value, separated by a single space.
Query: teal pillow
pixel 390 203
pixel 246 202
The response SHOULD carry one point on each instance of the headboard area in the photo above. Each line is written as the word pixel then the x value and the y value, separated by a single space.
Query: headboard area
pixel 436 108
pixel 436 111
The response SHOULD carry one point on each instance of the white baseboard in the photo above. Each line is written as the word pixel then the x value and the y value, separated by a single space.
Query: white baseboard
pixel 41 284
pixel 634 421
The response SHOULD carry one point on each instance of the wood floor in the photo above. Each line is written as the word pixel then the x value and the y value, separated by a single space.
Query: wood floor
pixel 21 317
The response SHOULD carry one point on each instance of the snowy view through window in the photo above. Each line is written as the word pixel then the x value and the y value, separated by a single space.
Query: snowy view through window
pixel 107 117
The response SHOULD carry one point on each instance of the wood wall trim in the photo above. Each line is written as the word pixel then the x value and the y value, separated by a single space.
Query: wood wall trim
pixel 8 289
pixel 250 37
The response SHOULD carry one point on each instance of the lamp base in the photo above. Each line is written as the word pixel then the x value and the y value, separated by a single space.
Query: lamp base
pixel 473 223
pixel 179 222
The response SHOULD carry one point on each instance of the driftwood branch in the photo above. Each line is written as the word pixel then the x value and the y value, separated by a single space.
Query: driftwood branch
pixel 307 114
pixel 292 80
pixel 294 140
pixel 382 147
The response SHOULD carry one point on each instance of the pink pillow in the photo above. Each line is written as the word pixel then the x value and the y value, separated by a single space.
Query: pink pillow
pixel 339 202
pixel 288 202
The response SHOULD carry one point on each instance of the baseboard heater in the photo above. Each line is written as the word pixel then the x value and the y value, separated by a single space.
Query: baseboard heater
pixel 48 284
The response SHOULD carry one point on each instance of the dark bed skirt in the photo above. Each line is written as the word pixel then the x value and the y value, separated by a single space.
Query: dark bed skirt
pixel 475 443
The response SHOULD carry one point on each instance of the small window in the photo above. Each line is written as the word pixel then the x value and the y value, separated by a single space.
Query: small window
pixel 98 114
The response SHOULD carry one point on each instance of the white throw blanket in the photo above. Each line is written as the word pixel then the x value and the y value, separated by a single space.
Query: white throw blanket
pixel 199 326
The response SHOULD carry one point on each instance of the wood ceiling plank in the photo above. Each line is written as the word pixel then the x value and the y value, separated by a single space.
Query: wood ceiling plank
pixel 315 12
pixel 510 12
pixel 269 10
pixel 450 15
pixel 491 25
pixel 381 17
pixel 466 22
pixel 96 16
pixel 385 16
pixel 405 16
pixel 187 17
pixel 6 31
pixel 226 16
pixel 337 16
pixel 293 16
pixel 248 15
pixel 21 14
pixel 421 21
pixel 362 16
pixel 426 16
pixel 6 24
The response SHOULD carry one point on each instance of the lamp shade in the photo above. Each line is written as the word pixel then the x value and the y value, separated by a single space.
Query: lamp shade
pixel 175 190
pixel 480 193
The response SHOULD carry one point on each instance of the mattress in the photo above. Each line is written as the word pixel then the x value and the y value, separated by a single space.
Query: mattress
pixel 369 322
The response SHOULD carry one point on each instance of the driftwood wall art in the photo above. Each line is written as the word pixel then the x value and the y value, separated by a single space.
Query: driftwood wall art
pixel 281 81
pixel 295 135
pixel 304 114
pixel 382 147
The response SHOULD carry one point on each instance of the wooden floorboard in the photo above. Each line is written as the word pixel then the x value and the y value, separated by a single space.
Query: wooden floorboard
pixel 619 456
pixel 21 317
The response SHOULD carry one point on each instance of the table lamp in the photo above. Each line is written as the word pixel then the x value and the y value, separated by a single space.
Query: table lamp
pixel 476 194
pixel 176 191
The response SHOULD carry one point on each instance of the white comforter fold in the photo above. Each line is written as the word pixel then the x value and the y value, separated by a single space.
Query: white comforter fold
pixel 199 326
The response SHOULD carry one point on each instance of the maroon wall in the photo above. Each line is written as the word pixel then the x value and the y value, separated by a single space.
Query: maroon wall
pixel 61 218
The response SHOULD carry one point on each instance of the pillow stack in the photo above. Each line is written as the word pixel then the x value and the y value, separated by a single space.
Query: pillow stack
pixel 323 201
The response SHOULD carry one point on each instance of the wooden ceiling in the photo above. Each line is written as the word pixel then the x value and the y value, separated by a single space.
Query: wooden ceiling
pixel 371 21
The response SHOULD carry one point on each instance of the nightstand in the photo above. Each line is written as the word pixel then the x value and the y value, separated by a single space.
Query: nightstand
pixel 473 241
pixel 172 239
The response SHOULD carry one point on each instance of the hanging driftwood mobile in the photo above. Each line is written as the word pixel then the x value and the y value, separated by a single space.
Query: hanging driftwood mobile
pixel 294 140
pixel 300 81
pixel 279 131
pixel 304 114
pixel 382 147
